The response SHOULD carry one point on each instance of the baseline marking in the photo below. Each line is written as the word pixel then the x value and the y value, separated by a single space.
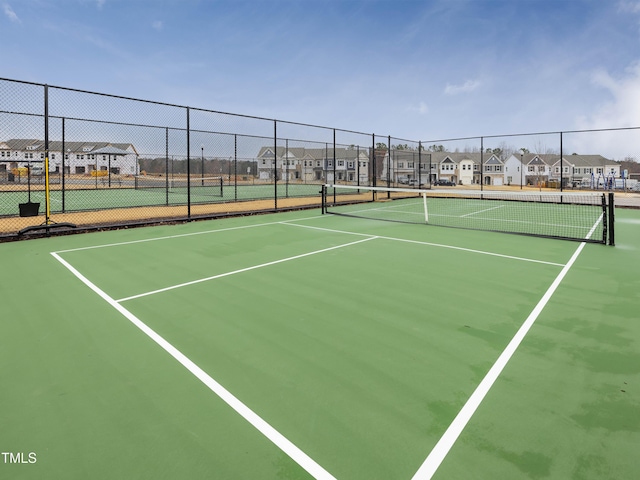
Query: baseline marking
pixel 169 237
pixel 253 418
pixel 444 445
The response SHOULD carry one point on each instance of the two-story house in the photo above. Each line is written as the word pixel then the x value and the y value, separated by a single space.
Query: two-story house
pixel 77 158
pixel 313 164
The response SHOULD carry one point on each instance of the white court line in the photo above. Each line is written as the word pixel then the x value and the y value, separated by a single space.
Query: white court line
pixel 169 237
pixel 226 274
pixel 444 445
pixel 249 415
pixel 419 242
pixel 481 211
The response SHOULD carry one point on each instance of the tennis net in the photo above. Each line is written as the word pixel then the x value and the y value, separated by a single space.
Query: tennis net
pixel 211 186
pixel 580 216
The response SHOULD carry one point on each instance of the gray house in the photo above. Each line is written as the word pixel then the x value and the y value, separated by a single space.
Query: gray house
pixel 313 164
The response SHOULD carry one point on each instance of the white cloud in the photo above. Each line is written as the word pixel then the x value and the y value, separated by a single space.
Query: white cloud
pixel 100 3
pixel 629 6
pixel 157 25
pixel 621 111
pixel 421 108
pixel 11 15
pixel 466 87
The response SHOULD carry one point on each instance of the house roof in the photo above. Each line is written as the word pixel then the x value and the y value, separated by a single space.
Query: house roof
pixel 311 153
pixel 30 144
pixel 457 157
pixel 587 160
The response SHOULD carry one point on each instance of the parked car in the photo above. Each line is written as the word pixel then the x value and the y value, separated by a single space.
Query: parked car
pixel 444 182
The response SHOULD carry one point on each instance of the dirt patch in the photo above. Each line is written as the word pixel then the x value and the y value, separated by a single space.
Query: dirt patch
pixel 152 214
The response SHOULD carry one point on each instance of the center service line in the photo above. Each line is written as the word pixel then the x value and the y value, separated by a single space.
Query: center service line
pixel 245 412
pixel 444 445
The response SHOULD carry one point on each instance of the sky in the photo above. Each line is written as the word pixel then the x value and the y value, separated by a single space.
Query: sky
pixel 419 70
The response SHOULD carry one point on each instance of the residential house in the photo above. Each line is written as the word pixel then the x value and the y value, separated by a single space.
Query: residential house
pixel 463 168
pixel 314 164
pixel 79 157
pixel 406 166
pixel 540 169
pixel 593 170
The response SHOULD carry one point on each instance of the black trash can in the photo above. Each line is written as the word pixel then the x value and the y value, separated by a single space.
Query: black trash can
pixel 11 177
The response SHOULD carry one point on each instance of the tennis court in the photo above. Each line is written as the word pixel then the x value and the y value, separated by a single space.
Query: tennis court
pixel 303 345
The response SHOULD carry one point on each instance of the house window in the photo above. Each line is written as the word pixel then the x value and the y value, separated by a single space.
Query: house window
pixel 350 164
pixel 410 165
pixel 531 168
pixel 400 164
pixel 599 170
pixel 264 162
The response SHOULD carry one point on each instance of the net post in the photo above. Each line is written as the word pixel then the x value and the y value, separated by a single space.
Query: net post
pixel 323 192
pixel 426 211
pixel 611 220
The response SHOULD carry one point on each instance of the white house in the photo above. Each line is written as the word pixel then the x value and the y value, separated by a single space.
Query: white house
pixel 79 157
pixel 539 169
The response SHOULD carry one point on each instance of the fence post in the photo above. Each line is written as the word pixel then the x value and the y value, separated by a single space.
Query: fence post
pixel 561 163
pixel 419 164
pixel 188 164
pixel 388 165
pixel 235 167
pixel 481 163
pixel 275 164
pixel 335 178
pixel 63 165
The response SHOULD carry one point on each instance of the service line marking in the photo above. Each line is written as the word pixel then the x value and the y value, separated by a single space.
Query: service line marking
pixel 253 267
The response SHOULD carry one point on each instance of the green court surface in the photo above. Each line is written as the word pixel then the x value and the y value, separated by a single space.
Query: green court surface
pixel 301 345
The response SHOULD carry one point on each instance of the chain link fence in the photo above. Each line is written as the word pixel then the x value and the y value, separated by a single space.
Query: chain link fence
pixel 77 160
